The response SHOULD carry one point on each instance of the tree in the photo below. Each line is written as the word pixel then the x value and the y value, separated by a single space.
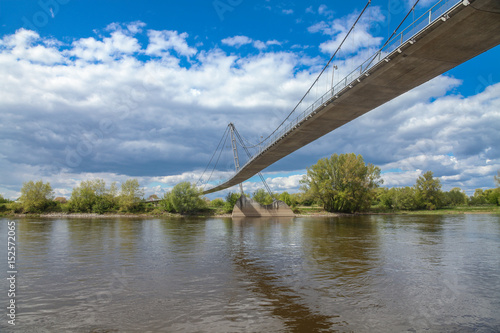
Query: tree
pixel 493 196
pixel 153 197
pixel 262 197
pixel 287 198
pixel 166 203
pixel 185 198
pixel 84 196
pixel 36 197
pixel 429 192
pixel 496 192
pixel 217 203
pixel 61 200
pixel 342 183
pixel 399 198
pixel 478 198
pixel 3 200
pixel 231 199
pixel 455 197
pixel 93 196
pixel 131 195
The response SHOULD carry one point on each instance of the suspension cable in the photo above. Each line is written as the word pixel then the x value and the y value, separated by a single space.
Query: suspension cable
pixel 250 156
pixel 394 32
pixel 401 23
pixel 213 155
pixel 225 135
pixel 215 165
pixel 317 78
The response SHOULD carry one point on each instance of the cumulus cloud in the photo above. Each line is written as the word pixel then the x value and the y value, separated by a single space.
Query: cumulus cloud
pixel 93 107
pixel 238 41
pixel 281 184
pixel 28 45
pixel 163 41
pixel 359 39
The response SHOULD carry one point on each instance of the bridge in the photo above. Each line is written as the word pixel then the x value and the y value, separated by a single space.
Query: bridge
pixel 447 35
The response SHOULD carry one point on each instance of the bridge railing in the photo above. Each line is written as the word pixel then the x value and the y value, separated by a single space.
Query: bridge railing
pixel 435 12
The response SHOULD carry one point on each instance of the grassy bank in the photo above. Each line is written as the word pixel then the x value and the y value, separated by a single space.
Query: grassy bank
pixel 457 210
pixel 484 209
pixel 299 211
pixel 156 213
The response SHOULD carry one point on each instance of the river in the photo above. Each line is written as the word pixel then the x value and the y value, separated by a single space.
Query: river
pixel 391 273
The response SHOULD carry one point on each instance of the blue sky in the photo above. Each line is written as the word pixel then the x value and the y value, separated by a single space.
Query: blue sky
pixel 119 89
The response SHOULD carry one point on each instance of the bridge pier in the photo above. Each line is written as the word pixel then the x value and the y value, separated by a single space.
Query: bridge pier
pixel 246 207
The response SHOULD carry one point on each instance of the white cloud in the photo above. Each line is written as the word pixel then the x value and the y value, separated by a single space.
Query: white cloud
pixel 89 112
pixel 273 42
pixel 237 41
pixel 399 179
pixel 360 38
pixel 118 46
pixel 162 41
pixel 27 45
pixel 281 184
pixel 136 27
pixel 323 10
pixel 287 11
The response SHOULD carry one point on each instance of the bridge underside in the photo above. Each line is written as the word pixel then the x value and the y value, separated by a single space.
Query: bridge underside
pixel 469 31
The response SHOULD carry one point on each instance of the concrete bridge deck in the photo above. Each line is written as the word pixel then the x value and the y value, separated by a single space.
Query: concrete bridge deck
pixel 463 32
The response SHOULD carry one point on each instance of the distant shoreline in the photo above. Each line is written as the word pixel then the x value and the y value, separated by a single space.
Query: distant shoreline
pixel 465 211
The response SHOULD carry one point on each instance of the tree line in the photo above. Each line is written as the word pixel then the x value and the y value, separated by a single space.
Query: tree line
pixel 345 183
pixel 340 183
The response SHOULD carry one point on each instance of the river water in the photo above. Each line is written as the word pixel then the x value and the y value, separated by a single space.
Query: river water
pixel 345 274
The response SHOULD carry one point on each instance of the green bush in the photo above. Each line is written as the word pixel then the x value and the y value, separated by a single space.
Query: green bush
pixel 130 196
pixel 262 197
pixel 36 197
pixel 287 198
pixel 166 203
pixel 231 199
pixel 429 194
pixel 217 203
pixel 3 200
pixel 102 205
pixel 342 183
pixel 184 198
pixel 399 198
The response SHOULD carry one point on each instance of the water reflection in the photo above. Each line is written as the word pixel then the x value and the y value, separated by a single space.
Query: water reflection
pixel 361 274
pixel 261 277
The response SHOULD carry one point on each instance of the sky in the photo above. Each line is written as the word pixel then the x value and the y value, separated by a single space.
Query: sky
pixel 145 89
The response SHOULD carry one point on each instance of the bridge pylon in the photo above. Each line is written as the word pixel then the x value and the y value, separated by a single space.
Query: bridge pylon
pixel 247 207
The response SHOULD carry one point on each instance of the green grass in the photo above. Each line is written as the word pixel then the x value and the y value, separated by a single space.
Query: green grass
pixel 456 210
pixel 485 209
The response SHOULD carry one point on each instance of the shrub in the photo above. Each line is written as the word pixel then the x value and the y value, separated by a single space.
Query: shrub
pixel 36 196
pixel 186 198
pixel 342 183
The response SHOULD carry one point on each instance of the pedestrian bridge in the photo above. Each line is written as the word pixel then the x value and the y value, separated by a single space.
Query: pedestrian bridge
pixel 447 35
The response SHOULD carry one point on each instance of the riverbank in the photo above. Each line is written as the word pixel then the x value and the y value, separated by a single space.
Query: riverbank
pixel 110 215
pixel 485 209
pixel 299 212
